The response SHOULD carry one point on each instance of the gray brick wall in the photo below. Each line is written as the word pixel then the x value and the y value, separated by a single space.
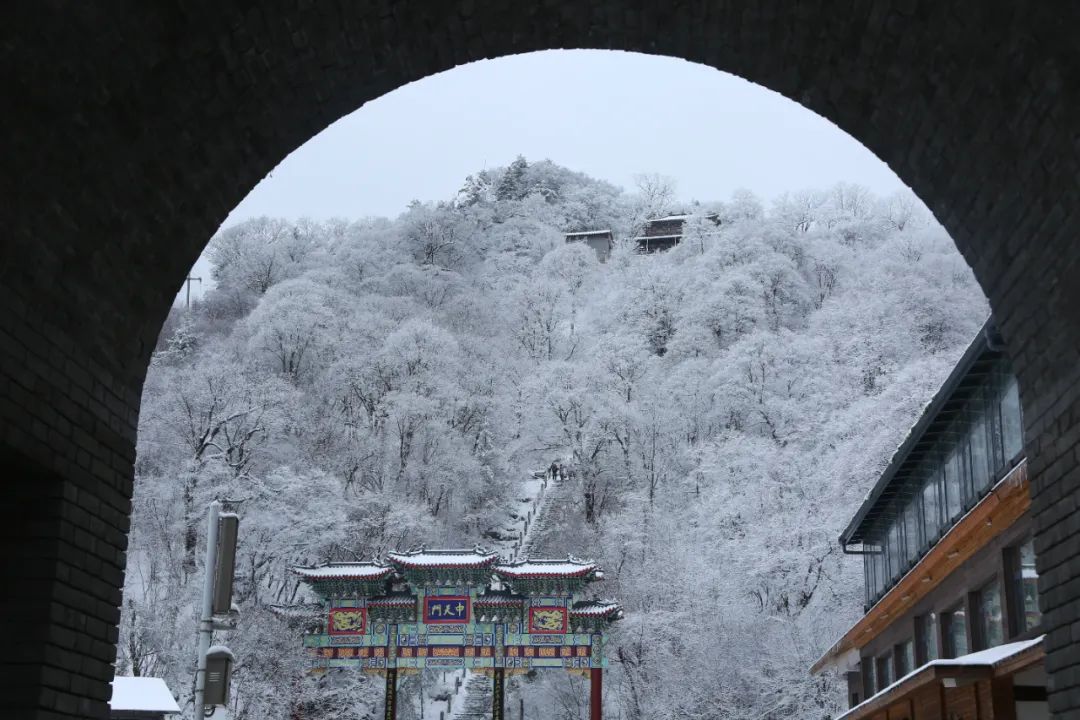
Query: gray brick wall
pixel 130 130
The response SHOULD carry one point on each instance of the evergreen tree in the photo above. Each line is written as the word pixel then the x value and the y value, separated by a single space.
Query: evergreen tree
pixel 512 185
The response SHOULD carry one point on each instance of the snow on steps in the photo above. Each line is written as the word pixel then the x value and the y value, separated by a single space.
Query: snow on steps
pixel 558 514
pixel 474 700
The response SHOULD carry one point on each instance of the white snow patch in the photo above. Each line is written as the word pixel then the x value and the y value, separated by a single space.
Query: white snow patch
pixel 142 694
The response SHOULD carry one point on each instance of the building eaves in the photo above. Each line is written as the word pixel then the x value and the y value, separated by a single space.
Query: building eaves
pixel 885 488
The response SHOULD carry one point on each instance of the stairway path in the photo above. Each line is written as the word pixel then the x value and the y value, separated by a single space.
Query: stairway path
pixel 474 700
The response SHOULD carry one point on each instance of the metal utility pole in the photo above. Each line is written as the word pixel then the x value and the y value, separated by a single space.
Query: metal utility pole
pixel 190 280
pixel 206 616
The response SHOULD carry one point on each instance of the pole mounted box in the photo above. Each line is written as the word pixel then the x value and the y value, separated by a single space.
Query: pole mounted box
pixel 219 662
pixel 228 527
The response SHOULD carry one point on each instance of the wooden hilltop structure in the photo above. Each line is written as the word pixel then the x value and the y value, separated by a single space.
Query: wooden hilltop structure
pixel 459 609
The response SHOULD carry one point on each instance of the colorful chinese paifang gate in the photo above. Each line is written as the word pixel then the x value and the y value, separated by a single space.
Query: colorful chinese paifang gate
pixel 451 609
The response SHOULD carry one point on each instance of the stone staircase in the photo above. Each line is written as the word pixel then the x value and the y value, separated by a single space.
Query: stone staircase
pixel 558 530
pixel 474 703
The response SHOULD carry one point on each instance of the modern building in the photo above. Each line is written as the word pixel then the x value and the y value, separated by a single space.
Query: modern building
pixel 951 626
pixel 601 241
pixel 664 233
pixel 141 698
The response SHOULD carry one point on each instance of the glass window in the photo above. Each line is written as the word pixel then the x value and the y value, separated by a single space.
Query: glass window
pixel 991 632
pixel 1012 426
pixel 881 566
pixel 884 671
pixel 951 473
pixel 926 631
pixel 955 632
pixel 982 473
pixel 868 576
pixel 931 508
pixel 895 551
pixel 867 667
pixel 912 529
pixel 963 465
pixel 905 658
pixel 1026 588
pixel 965 462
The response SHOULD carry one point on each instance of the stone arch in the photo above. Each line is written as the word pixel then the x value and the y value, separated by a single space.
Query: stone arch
pixel 130 133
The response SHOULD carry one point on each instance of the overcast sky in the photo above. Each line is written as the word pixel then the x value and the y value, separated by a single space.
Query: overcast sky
pixel 608 114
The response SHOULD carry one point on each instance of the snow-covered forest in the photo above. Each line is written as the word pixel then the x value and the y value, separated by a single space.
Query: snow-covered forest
pixel 375 384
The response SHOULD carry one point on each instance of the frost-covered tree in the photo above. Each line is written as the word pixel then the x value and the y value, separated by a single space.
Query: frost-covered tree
pixel 720 409
pixel 512 185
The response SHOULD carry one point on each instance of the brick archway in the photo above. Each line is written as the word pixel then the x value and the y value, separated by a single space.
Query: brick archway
pixel 129 135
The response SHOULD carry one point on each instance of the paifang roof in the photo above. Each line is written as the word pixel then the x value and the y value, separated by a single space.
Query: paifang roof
pixel 444 559
pixel 499 600
pixel 593 608
pixel 529 569
pixel 345 571
pixel 978 360
pixel 392 601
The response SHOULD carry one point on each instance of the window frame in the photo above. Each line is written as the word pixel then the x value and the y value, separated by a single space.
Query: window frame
pixel 927 625
pixel 899 651
pixel 1015 610
pixel 946 620
pixel 980 636
pixel 869 676
pixel 884 660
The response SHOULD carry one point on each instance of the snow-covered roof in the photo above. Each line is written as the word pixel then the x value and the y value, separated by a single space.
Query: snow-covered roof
pixel 991 656
pixel 684 216
pixel 345 571
pixel 444 559
pixel 595 609
pixel 587 232
pixel 657 237
pixel 142 694
pixel 296 611
pixel 528 569
pixel 988 658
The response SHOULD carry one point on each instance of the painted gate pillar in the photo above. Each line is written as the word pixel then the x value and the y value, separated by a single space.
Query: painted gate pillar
pixel 498 694
pixel 596 693
pixel 391 694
